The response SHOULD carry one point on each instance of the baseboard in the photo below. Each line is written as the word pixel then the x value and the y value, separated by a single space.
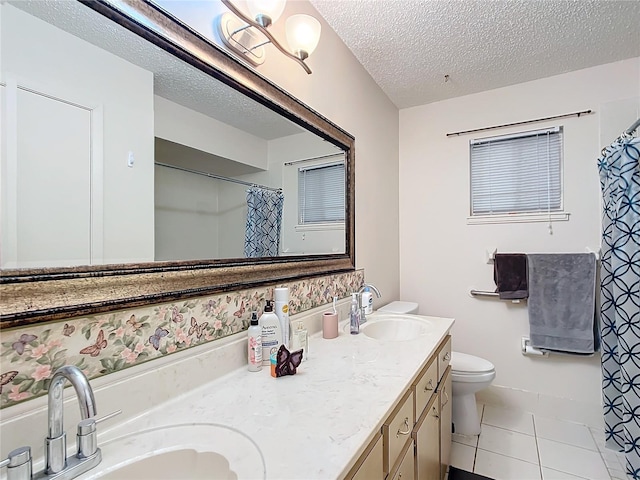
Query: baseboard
pixel 586 413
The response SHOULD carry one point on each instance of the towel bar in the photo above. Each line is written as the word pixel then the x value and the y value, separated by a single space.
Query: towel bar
pixel 483 293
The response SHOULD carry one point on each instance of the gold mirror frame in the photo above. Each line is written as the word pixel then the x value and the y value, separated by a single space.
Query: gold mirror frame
pixel 29 296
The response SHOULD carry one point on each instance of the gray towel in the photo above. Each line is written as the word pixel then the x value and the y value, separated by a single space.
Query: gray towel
pixel 562 302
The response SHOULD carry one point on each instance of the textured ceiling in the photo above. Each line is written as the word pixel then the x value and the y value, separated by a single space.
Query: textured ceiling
pixel 408 46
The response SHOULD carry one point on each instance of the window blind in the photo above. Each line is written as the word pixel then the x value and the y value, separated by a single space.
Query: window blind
pixel 519 173
pixel 321 192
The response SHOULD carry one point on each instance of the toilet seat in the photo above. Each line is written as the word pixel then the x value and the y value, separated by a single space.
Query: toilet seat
pixel 460 378
pixel 463 364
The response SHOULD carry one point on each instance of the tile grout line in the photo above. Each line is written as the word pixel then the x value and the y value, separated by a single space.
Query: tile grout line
pixel 601 453
pixel 535 435
pixel 475 453
pixel 509 430
pixel 537 438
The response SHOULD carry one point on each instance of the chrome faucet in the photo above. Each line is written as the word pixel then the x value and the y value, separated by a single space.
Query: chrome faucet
pixel 57 465
pixel 372 287
pixel 56 441
pixel 363 317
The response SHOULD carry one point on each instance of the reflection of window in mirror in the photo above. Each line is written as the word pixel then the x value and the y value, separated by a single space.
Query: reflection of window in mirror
pixel 320 194
pixel 314 205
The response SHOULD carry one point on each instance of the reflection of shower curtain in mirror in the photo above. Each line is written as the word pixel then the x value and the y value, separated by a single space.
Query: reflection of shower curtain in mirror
pixel 264 220
pixel 620 298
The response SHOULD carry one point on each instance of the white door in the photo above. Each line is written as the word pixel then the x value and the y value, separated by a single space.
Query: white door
pixel 51 199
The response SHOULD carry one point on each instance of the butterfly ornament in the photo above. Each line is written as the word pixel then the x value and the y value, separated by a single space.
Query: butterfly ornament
pixel 286 362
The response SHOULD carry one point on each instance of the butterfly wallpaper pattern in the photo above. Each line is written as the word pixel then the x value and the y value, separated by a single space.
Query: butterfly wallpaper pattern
pixel 105 343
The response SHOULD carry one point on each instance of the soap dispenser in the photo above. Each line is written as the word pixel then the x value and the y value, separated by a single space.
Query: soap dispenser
pixel 354 316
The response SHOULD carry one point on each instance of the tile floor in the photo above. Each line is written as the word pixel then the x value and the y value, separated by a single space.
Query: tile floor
pixel 516 445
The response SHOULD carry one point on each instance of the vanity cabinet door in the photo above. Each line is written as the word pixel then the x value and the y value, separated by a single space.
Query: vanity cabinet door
pixel 427 438
pixel 371 467
pixel 396 432
pixel 406 470
pixel 445 396
pixel 444 356
pixel 425 386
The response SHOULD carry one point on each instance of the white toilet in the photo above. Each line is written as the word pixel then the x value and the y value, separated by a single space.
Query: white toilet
pixel 469 375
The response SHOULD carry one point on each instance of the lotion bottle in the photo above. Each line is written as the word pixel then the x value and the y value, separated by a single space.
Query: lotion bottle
pixel 254 346
pixel 281 297
pixel 300 340
pixel 367 301
pixel 271 333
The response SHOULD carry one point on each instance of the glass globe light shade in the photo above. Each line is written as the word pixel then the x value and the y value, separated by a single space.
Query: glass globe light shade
pixel 303 34
pixel 270 8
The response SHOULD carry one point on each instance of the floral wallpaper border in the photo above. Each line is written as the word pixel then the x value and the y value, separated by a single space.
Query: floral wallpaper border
pixel 105 343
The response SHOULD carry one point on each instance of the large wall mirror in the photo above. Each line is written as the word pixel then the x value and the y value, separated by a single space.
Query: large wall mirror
pixel 137 157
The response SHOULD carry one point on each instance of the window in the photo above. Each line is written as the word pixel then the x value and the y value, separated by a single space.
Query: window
pixel 517 174
pixel 321 192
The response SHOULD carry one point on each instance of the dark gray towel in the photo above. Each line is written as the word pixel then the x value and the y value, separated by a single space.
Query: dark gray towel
pixel 510 275
pixel 562 303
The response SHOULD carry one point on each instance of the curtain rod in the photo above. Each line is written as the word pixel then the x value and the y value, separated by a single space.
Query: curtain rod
pixel 218 177
pixel 633 127
pixel 286 164
pixel 575 114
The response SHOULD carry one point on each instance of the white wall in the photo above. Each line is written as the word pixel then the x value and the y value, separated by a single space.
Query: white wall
pixel 186 216
pixel 52 61
pixel 441 257
pixel 341 90
pixel 232 216
pixel 182 125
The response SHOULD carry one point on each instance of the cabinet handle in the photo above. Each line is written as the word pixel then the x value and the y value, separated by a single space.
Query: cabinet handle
pixel 446 396
pixel 404 432
pixel 446 357
pixel 429 386
pixel 435 413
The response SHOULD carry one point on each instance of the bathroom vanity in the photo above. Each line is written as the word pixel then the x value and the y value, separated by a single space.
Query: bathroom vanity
pixel 359 407
pixel 415 441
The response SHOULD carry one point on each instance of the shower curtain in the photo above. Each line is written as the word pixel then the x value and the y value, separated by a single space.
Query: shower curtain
pixel 620 298
pixel 264 219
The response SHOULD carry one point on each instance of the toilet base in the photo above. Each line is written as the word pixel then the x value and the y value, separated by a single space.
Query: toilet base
pixel 465 415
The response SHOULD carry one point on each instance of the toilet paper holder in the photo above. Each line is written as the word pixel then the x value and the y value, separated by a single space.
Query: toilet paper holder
pixel 527 349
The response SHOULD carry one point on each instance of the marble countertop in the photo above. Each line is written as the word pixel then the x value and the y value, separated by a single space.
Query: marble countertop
pixel 313 425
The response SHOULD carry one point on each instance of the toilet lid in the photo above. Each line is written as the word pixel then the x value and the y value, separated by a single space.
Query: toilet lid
pixel 400 307
pixel 463 363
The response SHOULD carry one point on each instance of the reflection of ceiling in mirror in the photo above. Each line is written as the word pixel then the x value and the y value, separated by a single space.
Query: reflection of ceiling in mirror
pixel 173 79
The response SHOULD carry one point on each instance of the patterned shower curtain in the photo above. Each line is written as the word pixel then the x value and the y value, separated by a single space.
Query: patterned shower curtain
pixel 620 298
pixel 264 219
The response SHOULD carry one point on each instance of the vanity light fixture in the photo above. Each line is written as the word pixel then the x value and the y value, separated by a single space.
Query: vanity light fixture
pixel 248 37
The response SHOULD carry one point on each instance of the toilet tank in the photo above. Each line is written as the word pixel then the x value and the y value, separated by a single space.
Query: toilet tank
pixel 400 307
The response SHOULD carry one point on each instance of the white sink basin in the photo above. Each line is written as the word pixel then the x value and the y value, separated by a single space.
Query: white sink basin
pixel 194 451
pixel 395 327
pixel 185 463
